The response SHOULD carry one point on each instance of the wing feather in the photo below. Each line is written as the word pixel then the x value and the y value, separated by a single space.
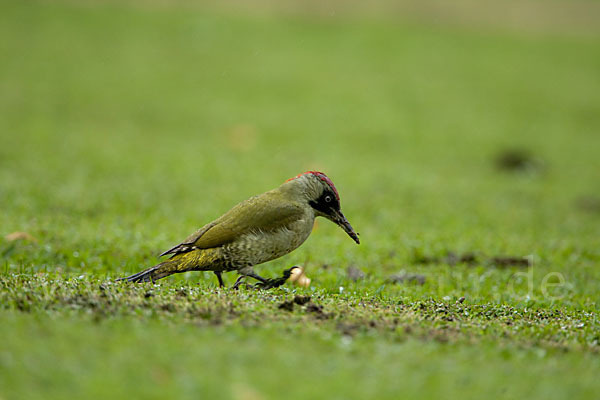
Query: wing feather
pixel 265 212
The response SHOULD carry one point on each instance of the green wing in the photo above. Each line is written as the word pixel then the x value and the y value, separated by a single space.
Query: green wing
pixel 265 212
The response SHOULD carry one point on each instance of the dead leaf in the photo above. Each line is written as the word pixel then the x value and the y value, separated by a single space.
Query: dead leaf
pixel 11 237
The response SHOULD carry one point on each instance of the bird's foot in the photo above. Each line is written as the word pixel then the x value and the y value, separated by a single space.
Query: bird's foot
pixel 264 283
pixel 275 282
pixel 238 282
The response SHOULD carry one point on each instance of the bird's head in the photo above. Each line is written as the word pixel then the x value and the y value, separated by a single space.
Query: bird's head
pixel 320 194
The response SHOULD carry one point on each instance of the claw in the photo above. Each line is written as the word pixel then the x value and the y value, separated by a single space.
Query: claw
pixel 275 282
pixel 238 282
pixel 264 283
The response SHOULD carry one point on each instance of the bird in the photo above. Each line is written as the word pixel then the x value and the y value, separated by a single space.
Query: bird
pixel 262 228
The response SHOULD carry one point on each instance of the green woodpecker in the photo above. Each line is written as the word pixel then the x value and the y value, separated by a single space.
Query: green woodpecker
pixel 257 230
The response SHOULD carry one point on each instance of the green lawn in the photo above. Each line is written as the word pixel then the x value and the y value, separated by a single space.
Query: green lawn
pixel 123 128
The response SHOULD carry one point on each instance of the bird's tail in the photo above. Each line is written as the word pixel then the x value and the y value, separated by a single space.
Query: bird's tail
pixel 154 273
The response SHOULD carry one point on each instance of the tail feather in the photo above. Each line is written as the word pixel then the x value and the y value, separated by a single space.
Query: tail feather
pixel 154 273
pixel 195 260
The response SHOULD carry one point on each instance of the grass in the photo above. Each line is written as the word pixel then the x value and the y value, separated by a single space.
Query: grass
pixel 124 128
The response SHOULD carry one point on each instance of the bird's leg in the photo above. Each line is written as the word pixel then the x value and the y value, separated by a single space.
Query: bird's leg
pixel 256 276
pixel 220 278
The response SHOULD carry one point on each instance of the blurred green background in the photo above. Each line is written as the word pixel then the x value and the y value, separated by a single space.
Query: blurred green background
pixel 464 127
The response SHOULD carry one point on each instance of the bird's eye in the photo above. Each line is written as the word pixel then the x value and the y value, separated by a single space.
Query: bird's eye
pixel 328 199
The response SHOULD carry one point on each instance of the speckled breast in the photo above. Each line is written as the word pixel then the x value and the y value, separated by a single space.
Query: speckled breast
pixel 259 246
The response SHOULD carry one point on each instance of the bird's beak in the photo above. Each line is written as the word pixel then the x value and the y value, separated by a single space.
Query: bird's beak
pixel 341 220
